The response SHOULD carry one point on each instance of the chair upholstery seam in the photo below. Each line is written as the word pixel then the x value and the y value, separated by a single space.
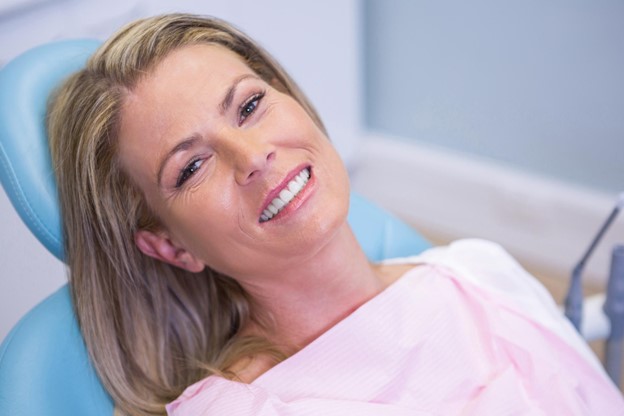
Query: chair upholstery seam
pixel 22 200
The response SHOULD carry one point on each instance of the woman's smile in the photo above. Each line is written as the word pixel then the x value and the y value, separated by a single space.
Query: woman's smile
pixel 287 193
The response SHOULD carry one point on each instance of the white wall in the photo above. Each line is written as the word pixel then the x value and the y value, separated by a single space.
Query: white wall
pixel 533 84
pixel 543 222
pixel 317 42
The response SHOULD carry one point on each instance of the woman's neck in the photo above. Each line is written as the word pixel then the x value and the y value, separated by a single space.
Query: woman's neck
pixel 317 293
pixel 312 298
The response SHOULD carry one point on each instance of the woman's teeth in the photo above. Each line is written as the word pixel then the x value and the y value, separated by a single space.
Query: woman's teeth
pixel 286 195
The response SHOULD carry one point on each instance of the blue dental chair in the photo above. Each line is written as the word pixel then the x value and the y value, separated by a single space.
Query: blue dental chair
pixel 44 366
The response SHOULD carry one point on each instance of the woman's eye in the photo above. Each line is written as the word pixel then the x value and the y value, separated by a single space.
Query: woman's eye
pixel 249 107
pixel 188 171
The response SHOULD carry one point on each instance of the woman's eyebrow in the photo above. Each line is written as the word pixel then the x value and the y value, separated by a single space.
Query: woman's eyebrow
pixel 229 96
pixel 183 145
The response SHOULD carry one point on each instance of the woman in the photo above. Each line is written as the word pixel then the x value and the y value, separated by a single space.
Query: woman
pixel 205 221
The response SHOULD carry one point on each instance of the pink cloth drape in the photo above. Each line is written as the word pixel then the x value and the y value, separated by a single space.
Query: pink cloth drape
pixel 467 332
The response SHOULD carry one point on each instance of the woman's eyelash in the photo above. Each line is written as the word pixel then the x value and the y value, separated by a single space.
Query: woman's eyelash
pixel 188 171
pixel 249 106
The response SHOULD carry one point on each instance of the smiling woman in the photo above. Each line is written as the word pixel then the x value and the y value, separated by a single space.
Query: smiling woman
pixel 212 265
pixel 188 143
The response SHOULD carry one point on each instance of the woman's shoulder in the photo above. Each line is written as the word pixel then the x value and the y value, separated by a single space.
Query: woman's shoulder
pixel 488 265
pixel 488 270
pixel 472 247
pixel 481 262
pixel 466 249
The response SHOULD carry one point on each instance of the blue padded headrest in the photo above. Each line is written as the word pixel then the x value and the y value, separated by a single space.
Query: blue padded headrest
pixel 25 167
pixel 381 234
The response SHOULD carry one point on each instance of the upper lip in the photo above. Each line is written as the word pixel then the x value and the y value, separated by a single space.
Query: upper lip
pixel 274 193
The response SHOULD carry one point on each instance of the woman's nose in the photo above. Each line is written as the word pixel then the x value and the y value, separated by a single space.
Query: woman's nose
pixel 251 157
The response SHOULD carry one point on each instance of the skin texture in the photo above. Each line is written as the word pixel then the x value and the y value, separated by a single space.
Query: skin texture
pixel 295 265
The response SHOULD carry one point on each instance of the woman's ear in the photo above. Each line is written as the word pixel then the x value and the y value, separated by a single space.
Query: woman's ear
pixel 159 246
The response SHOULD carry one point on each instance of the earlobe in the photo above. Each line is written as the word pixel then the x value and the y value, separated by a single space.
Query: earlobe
pixel 187 261
pixel 159 246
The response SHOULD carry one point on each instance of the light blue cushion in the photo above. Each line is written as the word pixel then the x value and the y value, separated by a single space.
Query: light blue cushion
pixel 381 234
pixel 25 173
pixel 44 366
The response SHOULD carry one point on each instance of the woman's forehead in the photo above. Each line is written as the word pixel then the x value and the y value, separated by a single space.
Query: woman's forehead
pixel 187 75
pixel 210 57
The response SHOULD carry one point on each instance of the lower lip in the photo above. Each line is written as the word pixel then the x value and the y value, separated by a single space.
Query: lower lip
pixel 296 203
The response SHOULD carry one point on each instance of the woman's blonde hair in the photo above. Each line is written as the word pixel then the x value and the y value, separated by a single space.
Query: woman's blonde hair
pixel 151 329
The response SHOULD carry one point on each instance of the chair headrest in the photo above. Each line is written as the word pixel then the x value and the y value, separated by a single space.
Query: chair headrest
pixel 25 166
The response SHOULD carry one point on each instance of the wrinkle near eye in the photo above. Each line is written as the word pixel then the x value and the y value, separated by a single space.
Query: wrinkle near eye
pixel 182 196
pixel 193 188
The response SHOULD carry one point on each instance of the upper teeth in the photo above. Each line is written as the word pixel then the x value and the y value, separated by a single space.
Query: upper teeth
pixel 286 195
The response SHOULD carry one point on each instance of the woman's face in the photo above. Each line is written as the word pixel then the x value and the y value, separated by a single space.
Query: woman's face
pixel 217 152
